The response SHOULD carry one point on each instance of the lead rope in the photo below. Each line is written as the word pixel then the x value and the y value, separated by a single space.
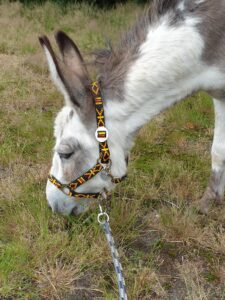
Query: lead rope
pixel 103 219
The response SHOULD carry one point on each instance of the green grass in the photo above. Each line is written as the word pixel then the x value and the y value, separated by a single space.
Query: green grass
pixel 168 251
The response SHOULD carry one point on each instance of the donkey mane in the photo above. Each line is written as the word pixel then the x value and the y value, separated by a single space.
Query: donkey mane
pixel 113 62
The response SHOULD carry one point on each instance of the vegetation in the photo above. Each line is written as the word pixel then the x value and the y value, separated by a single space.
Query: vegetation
pixel 99 3
pixel 168 251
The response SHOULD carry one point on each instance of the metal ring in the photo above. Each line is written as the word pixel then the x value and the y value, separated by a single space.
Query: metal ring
pixel 102 218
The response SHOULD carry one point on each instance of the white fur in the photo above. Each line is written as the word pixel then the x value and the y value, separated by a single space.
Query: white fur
pixel 169 68
pixel 218 152
pixel 199 1
pixel 67 128
pixel 73 128
pixel 181 5
pixel 218 148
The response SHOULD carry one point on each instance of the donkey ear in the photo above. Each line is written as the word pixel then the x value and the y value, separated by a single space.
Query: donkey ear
pixel 71 54
pixel 70 73
pixel 54 66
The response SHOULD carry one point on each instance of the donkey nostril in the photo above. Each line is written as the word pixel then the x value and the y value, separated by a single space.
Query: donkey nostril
pixel 74 211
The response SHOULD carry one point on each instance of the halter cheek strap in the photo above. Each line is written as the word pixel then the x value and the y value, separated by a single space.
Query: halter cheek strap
pixel 101 133
pixel 103 163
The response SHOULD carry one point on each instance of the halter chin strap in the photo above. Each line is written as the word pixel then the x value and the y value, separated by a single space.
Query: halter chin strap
pixel 103 163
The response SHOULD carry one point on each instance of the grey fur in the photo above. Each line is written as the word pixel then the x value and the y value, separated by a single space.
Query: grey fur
pixel 75 165
pixel 212 193
pixel 114 63
pixel 73 73
pixel 212 28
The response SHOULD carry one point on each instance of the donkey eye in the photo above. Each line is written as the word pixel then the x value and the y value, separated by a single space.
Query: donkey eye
pixel 65 155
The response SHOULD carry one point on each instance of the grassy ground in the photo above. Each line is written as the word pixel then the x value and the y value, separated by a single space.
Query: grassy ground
pixel 168 251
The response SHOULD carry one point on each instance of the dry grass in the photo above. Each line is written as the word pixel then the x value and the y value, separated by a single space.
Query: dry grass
pixel 168 251
pixel 191 274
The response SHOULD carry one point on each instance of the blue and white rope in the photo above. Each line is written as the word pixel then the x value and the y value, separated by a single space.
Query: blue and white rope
pixel 115 255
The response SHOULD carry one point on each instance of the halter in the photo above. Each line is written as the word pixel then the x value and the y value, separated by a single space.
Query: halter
pixel 103 163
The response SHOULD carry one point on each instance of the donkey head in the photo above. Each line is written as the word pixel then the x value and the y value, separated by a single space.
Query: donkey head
pixel 76 149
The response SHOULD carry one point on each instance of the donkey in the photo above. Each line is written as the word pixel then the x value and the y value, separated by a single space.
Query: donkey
pixel 175 49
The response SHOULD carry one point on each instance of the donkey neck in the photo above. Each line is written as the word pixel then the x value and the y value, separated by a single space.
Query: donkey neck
pixel 167 69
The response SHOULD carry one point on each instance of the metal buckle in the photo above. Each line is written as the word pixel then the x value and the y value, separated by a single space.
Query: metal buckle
pixel 103 217
pixel 106 167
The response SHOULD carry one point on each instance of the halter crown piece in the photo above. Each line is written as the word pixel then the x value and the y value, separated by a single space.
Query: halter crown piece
pixel 103 163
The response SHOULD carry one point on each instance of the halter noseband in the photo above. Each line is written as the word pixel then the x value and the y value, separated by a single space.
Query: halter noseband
pixel 103 163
